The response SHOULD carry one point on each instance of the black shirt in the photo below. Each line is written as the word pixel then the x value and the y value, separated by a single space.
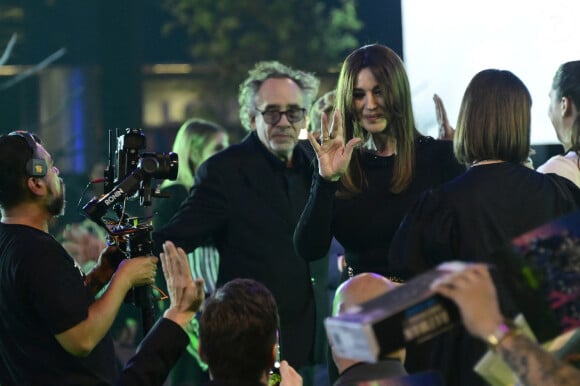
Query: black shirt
pixel 42 294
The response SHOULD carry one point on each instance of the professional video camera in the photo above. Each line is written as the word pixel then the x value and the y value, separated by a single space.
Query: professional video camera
pixel 128 176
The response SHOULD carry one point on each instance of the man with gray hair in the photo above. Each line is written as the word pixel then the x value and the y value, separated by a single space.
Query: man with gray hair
pixel 247 199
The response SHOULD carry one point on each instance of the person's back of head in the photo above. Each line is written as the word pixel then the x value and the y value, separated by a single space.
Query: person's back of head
pixel 307 82
pixel 566 84
pixel 238 332
pixel 15 154
pixel 494 119
pixel 355 291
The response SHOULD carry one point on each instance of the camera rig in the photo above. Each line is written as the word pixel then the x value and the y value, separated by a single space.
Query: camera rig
pixel 129 175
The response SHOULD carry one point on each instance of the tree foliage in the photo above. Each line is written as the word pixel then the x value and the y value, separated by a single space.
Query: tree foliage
pixel 231 35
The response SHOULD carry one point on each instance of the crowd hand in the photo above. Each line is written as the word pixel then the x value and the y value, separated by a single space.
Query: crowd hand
pixel 290 377
pixel 332 153
pixel 446 131
pixel 473 291
pixel 186 294
pixel 83 245
pixel 138 271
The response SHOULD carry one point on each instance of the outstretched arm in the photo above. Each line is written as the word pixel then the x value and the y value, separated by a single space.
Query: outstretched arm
pixel 203 212
pixel 82 338
pixel 446 131
pixel 313 234
pixel 474 293
pixel 167 341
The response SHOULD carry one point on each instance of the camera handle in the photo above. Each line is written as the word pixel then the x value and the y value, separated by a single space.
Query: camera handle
pixel 139 243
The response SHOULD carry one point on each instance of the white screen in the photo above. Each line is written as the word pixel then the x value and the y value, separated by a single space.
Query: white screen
pixel 446 42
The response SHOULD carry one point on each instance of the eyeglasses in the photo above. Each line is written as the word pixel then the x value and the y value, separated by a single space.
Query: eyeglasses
pixel 293 115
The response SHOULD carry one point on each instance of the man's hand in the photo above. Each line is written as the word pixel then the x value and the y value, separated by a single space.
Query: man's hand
pixel 105 267
pixel 138 271
pixel 186 294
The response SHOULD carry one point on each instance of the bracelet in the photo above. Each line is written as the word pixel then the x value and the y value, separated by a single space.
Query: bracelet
pixel 506 329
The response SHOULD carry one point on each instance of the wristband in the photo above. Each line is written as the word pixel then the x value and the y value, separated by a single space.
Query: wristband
pixel 505 329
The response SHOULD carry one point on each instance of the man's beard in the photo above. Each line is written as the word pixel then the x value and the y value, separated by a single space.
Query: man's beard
pixel 56 205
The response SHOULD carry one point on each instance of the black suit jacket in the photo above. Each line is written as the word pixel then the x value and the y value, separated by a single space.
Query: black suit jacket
pixel 247 203
pixel 156 355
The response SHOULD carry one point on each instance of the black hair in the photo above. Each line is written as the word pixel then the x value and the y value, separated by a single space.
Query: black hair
pixel 238 329
pixel 15 153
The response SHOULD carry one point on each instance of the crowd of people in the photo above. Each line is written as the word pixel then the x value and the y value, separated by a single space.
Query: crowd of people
pixel 244 241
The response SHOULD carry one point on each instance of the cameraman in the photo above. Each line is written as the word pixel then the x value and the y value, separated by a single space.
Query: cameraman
pixel 53 331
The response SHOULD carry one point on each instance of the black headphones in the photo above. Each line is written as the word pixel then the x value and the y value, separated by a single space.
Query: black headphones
pixel 36 166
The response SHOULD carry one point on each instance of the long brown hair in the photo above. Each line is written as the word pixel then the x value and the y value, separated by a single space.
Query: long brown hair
pixel 390 73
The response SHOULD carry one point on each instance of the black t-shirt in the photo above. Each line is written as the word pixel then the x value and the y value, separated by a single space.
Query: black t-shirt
pixel 42 294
